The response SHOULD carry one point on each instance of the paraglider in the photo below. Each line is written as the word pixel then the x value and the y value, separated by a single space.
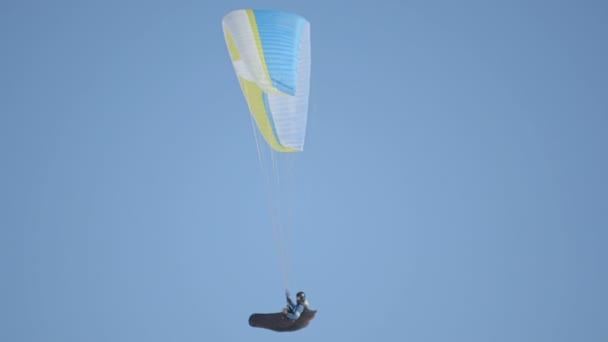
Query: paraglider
pixel 293 311
pixel 270 53
pixel 293 317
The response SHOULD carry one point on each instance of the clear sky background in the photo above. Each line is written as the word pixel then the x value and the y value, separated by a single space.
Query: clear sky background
pixel 453 185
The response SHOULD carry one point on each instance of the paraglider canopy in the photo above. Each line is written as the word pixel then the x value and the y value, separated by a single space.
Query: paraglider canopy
pixel 270 52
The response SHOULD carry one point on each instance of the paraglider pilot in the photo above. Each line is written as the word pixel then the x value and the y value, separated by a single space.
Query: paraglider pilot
pixel 294 317
pixel 292 311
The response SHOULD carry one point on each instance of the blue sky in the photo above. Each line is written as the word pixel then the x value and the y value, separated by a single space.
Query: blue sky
pixel 453 185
